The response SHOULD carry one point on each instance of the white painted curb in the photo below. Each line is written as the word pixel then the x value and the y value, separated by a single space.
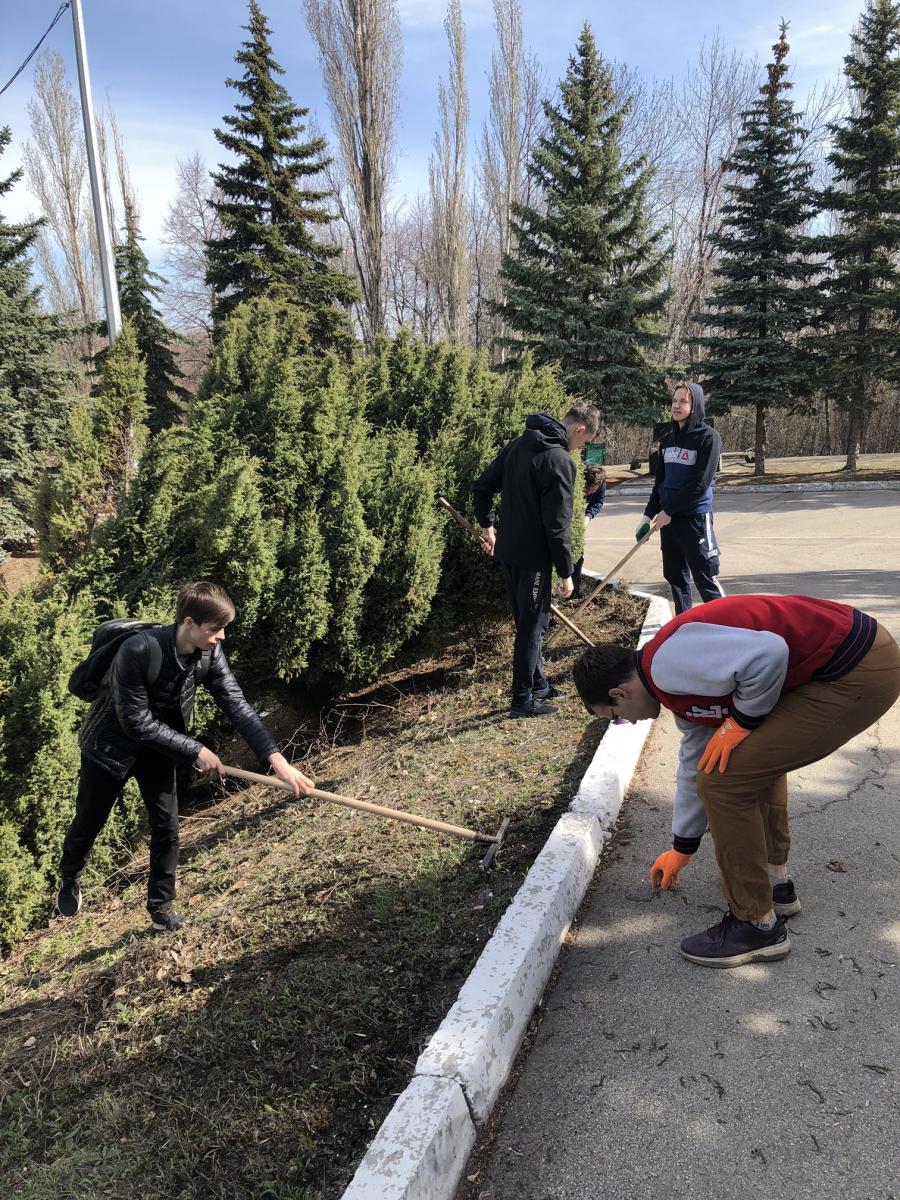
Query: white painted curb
pixel 421 1150
pixel 737 489
pixel 477 1042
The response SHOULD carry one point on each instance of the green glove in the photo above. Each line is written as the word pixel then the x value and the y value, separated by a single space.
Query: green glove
pixel 643 529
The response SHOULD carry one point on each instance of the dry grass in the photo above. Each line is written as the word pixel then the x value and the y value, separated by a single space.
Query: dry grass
pixel 254 1054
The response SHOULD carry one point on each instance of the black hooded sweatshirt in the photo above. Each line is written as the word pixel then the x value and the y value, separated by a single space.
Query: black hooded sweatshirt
pixel 535 474
pixel 688 460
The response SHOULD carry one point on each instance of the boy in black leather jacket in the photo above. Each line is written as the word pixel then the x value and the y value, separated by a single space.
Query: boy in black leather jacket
pixel 139 727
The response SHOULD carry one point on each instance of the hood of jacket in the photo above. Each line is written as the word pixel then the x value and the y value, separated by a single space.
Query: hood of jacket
pixel 544 428
pixel 698 410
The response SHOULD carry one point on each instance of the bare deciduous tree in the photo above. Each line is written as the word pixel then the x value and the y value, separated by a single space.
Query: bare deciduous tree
pixel 189 224
pixel 707 110
pixel 447 179
pixel 411 271
pixel 56 166
pixel 513 126
pixel 360 49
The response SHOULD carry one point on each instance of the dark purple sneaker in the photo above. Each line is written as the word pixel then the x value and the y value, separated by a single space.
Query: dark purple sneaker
pixel 732 943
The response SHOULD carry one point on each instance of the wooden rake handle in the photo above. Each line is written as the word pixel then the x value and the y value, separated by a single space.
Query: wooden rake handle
pixel 603 582
pixel 379 810
pixel 560 616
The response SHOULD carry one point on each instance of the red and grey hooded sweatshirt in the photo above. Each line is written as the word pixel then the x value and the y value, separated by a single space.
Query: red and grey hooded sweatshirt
pixel 733 658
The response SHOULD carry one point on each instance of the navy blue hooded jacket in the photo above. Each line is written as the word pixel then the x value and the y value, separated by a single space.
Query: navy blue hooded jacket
pixel 688 460
pixel 535 474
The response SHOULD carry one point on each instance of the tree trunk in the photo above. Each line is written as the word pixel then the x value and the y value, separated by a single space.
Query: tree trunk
pixel 854 433
pixel 759 449
pixel 828 449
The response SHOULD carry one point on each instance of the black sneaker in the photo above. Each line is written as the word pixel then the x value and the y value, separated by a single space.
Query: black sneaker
pixel 165 919
pixel 547 693
pixel 534 708
pixel 784 899
pixel 68 898
pixel 732 943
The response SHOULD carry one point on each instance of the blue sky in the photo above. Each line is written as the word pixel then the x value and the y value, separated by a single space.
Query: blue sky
pixel 162 64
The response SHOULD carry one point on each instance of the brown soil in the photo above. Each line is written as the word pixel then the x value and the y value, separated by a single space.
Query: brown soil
pixel 255 1053
pixel 19 569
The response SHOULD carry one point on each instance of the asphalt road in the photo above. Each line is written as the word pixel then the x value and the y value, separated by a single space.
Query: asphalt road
pixel 840 545
pixel 652 1078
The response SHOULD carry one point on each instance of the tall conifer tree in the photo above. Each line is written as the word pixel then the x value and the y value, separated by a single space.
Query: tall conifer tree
pixel 33 388
pixel 861 294
pixel 583 286
pixel 139 289
pixel 764 298
pixel 268 207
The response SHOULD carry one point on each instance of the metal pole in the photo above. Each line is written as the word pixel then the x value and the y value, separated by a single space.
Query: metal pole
pixel 104 240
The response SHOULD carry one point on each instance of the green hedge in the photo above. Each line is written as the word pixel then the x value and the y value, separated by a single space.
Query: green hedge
pixel 307 488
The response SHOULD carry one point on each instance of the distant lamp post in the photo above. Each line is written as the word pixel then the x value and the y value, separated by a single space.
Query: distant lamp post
pixel 104 239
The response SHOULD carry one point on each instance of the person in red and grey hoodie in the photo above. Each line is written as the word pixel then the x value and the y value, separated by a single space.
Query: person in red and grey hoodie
pixel 680 505
pixel 760 686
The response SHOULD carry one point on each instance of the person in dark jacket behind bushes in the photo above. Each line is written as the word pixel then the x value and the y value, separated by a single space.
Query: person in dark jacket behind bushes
pixel 535 474
pixel 140 727
pixel 594 499
pixel 680 505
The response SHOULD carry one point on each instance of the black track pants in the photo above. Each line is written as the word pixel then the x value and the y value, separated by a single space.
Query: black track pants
pixel 690 549
pixel 529 599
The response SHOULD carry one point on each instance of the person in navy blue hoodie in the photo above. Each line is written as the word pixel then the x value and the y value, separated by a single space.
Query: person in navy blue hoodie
pixel 680 505
pixel 534 473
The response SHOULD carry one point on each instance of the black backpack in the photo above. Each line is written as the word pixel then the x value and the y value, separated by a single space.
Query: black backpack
pixel 90 679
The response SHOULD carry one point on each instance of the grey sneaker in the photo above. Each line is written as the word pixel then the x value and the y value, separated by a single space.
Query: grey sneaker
pixel 165 919
pixel 534 708
pixel 784 899
pixel 68 898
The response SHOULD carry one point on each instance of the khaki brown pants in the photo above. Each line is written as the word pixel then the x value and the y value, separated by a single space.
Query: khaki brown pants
pixel 747 805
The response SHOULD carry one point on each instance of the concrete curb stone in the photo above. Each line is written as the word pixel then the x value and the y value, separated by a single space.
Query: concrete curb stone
pixel 421 1149
pixel 847 485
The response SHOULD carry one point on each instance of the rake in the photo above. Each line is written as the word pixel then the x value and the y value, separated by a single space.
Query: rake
pixel 493 841
pixel 603 582
pixel 560 616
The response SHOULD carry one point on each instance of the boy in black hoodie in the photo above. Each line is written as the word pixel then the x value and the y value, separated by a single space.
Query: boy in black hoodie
pixel 680 505
pixel 534 474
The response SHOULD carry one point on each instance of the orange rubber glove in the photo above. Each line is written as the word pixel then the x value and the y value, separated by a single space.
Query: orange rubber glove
pixel 720 745
pixel 664 872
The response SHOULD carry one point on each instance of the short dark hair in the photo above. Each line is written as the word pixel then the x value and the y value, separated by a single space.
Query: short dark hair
pixel 599 669
pixel 594 476
pixel 588 415
pixel 204 602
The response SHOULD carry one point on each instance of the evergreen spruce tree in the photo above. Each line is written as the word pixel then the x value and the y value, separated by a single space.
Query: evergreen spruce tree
pixel 33 388
pixel 583 287
pixel 105 438
pixel 860 295
pixel 268 207
pixel 764 299
pixel 139 288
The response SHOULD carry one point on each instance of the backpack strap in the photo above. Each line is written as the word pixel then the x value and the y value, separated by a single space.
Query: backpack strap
pixel 154 659
pixel 202 669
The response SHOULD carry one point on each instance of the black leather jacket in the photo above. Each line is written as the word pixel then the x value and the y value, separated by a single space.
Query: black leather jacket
pixel 136 716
